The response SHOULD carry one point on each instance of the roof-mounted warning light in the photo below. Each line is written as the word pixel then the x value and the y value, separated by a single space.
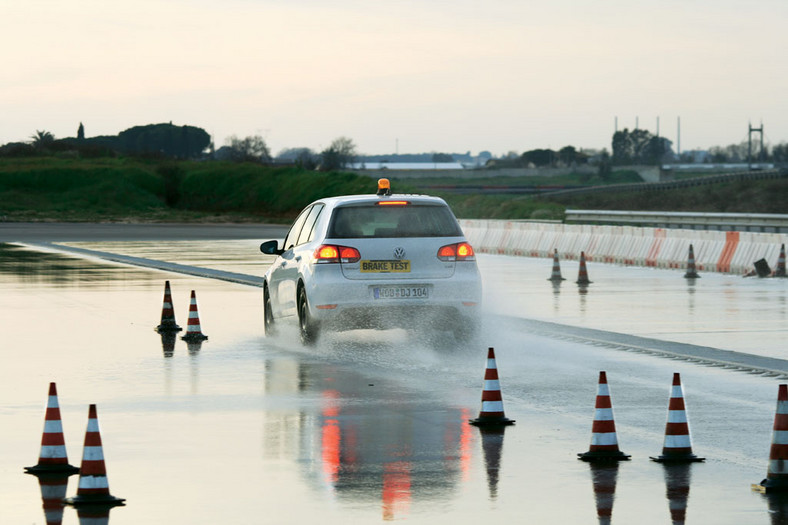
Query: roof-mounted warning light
pixel 384 187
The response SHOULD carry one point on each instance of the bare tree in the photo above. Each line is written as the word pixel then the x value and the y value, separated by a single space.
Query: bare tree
pixel 249 149
pixel 340 154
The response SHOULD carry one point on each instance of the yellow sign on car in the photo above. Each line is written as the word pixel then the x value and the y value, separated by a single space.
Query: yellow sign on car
pixel 385 266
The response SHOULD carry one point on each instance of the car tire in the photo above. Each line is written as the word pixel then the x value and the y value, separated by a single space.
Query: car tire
pixel 268 313
pixel 308 327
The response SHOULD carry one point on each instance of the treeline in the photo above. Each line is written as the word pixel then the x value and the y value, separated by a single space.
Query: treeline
pixel 157 140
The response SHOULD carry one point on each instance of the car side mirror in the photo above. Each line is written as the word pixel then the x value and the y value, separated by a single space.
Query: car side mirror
pixel 271 248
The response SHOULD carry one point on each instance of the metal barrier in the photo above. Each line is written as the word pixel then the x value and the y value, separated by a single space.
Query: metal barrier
pixel 753 222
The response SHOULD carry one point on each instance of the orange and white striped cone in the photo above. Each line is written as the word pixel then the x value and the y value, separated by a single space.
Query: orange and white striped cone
pixel 692 272
pixel 777 473
pixel 94 514
pixel 677 447
pixel 491 413
pixel 53 457
pixel 582 274
pixel 168 323
pixel 780 270
pixel 604 442
pixel 93 488
pixel 556 275
pixel 193 331
pixel 677 488
pixel 604 478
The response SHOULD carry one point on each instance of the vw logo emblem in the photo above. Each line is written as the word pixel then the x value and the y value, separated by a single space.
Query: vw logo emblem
pixel 399 253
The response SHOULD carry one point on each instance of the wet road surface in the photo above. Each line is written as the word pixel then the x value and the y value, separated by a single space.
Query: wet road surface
pixel 371 426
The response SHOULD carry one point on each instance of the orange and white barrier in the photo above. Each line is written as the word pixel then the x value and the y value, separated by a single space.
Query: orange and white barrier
pixel 167 323
pixel 715 251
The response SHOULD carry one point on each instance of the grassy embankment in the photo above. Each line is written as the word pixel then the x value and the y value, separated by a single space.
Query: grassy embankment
pixel 124 189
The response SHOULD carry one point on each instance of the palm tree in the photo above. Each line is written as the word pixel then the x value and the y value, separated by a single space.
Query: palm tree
pixel 42 139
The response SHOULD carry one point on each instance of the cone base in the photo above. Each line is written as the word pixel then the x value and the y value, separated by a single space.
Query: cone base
pixel 677 458
pixel 491 421
pixel 168 328
pixel 691 275
pixel 771 486
pixel 62 469
pixel 102 501
pixel 194 338
pixel 603 456
pixel 582 283
pixel 556 279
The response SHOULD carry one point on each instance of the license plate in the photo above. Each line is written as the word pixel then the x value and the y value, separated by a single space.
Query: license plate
pixel 400 292
pixel 385 266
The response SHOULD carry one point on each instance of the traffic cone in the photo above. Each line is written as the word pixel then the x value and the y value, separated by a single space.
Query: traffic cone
pixel 582 276
pixel 692 272
pixel 53 457
pixel 604 442
pixel 780 270
pixel 168 323
pixel 193 332
pixel 491 413
pixel 93 488
pixel 94 514
pixel 677 447
pixel 556 275
pixel 777 473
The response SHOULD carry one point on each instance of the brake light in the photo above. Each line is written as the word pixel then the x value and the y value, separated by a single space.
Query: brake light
pixel 393 203
pixel 461 251
pixel 329 253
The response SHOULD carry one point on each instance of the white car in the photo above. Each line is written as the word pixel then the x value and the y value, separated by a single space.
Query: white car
pixel 374 261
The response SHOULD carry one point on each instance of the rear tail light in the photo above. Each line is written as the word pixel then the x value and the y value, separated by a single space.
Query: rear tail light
pixel 329 253
pixel 461 251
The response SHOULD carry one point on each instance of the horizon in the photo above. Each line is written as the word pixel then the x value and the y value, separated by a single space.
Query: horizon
pixel 413 76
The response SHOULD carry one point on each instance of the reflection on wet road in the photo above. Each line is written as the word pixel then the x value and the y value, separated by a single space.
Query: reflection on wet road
pixel 369 426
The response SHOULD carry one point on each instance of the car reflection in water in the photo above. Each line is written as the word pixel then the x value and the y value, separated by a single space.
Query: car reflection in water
pixel 366 442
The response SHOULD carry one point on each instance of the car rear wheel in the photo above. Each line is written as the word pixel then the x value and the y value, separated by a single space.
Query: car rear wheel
pixel 268 314
pixel 308 327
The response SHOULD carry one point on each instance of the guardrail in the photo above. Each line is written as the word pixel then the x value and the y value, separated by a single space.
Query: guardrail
pixel 715 251
pixel 756 222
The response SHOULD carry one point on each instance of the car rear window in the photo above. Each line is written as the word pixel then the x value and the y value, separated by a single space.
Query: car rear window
pixel 411 220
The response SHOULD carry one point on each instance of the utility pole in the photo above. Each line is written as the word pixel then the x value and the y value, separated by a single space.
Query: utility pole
pixel 678 137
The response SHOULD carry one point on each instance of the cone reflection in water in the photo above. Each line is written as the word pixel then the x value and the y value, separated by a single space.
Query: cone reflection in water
pixel 168 343
pixel 193 330
pixel 604 441
pixel 492 446
pixel 396 489
pixel 94 514
pixel 93 486
pixel 677 447
pixel 582 274
pixel 603 478
pixel 555 276
pixel 778 508
pixel 53 490
pixel 777 473
pixel 677 485
pixel 491 412
pixel 52 457
pixel 167 324
pixel 692 272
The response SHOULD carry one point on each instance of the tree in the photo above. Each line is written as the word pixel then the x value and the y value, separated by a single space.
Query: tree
pixel 340 154
pixel 163 139
pixel 539 157
pixel 42 139
pixel 442 157
pixel 249 149
pixel 81 132
pixel 639 146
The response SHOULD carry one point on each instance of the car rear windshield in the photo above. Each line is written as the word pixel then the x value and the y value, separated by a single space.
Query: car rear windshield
pixel 411 220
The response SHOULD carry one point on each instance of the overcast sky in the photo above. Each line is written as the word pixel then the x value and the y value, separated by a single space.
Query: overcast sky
pixel 417 75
